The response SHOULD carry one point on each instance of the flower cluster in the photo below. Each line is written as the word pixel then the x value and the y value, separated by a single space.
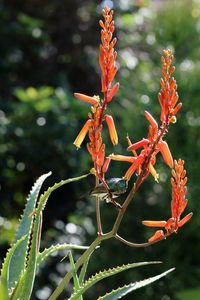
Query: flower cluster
pixel 143 152
pixel 94 124
pixel 178 205
pixel 168 96
pixel 155 143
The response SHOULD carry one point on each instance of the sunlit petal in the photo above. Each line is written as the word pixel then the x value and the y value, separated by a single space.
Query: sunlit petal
pixel 88 99
pixel 78 141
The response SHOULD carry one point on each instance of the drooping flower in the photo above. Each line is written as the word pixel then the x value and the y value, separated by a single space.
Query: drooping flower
pixel 112 129
pixel 178 205
pixel 92 100
pixel 81 136
pixel 155 143
pixel 151 145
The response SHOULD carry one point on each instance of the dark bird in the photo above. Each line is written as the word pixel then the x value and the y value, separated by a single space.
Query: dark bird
pixel 116 186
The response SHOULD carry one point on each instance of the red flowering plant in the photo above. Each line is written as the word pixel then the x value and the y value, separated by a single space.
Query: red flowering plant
pixel 142 161
pixel 24 257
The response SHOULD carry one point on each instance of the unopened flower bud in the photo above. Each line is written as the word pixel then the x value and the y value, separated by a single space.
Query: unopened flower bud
pixel 113 92
pixel 166 154
pixel 112 129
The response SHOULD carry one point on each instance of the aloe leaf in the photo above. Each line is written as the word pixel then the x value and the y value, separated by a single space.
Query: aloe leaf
pixel 41 257
pixel 106 273
pixel 29 275
pixel 4 286
pixel 18 259
pixel 126 289
pixel 3 293
pixel 83 270
pixel 74 274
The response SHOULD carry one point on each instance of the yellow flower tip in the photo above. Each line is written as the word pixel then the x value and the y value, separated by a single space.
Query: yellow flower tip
pixel 153 172
pixel 112 129
pixel 125 158
pixel 93 171
pixel 78 141
pixel 173 119
pixel 92 100
pixel 167 52
pixel 76 145
pixel 166 154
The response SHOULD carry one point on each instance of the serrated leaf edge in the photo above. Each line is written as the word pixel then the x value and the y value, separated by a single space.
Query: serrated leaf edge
pixel 132 286
pixel 48 251
pixel 5 266
pixel 104 274
pixel 35 189
pixel 29 275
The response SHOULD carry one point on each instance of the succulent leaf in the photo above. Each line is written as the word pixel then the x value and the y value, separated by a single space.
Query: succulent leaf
pixel 48 251
pixel 126 289
pixel 19 257
pixel 104 274
pixel 4 279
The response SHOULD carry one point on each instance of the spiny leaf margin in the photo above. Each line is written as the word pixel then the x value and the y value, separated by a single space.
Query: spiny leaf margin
pixel 48 251
pixel 106 273
pixel 29 275
pixel 126 289
pixel 19 257
pixel 4 284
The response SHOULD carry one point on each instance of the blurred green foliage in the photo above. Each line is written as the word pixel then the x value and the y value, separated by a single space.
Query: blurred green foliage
pixel 49 49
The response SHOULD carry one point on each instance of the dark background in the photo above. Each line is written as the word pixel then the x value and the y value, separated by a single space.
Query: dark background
pixel 49 50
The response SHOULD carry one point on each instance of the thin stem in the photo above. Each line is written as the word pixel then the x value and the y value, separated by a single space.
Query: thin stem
pixel 138 182
pixel 98 217
pixel 62 285
pixel 136 245
pixel 98 212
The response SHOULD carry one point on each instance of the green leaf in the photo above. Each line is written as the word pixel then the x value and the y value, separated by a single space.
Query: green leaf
pixel 106 273
pixel 18 259
pixel 4 286
pixel 74 274
pixel 126 289
pixel 48 251
pixel 29 276
pixel 84 269
pixel 3 293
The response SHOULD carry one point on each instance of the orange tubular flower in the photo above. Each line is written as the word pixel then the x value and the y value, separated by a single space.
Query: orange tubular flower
pixel 113 92
pixel 112 129
pixel 151 147
pixel 92 100
pixel 137 163
pixel 166 154
pixel 178 205
pixel 152 121
pixel 78 141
